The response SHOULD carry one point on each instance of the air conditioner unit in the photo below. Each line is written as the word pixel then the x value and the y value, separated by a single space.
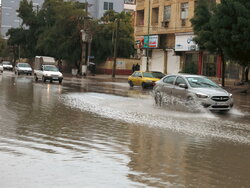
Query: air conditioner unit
pixel 165 23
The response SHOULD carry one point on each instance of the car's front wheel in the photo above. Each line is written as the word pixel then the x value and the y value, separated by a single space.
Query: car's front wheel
pixel 190 101
pixel 36 78
pixel 44 79
pixel 143 85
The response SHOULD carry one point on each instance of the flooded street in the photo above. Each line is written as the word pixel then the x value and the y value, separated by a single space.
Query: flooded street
pixel 100 133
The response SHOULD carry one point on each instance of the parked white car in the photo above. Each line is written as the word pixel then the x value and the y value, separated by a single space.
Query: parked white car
pixel 48 72
pixel 1 67
pixel 24 68
pixel 7 65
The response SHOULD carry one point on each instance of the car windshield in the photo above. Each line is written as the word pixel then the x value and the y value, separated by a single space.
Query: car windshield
pixel 153 75
pixel 201 82
pixel 6 63
pixel 51 68
pixel 23 65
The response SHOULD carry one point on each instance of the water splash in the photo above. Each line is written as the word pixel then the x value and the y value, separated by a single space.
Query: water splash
pixel 144 112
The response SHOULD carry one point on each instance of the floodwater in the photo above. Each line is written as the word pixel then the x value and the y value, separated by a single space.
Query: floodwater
pixel 101 133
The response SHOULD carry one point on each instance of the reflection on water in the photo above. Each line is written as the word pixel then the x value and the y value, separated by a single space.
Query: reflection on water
pixel 53 137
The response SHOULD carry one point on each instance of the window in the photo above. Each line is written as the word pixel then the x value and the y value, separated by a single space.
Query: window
pixel 108 6
pixel 155 15
pixel 209 64
pixel 140 17
pixel 179 80
pixel 111 6
pixel 137 74
pixel 191 63
pixel 184 11
pixel 167 13
pixel 169 80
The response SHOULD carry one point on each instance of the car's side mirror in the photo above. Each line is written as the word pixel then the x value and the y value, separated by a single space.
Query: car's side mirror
pixel 183 86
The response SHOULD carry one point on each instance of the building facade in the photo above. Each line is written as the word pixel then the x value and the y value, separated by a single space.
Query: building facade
pixel 9 18
pixel 164 39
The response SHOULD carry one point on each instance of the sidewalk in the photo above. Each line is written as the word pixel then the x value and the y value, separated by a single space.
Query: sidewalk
pixel 230 85
pixel 107 77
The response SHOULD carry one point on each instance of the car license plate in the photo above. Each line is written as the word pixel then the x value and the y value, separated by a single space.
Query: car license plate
pixel 220 104
pixel 54 78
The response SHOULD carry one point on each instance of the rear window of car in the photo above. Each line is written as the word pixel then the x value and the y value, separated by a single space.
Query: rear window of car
pixel 169 80
pixel 153 75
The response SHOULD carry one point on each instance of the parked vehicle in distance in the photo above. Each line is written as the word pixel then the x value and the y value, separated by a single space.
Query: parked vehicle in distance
pixel 193 89
pixel 1 67
pixel 144 79
pixel 45 69
pixel 24 68
pixel 7 66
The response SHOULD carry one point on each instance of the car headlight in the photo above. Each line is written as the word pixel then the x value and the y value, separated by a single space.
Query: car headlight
pixel 201 95
pixel 47 75
pixel 230 95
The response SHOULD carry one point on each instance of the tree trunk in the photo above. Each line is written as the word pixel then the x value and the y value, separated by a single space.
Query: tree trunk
pixel 223 69
pixel 246 73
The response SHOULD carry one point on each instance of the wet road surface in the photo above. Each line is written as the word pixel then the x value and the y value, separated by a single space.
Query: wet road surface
pixel 100 133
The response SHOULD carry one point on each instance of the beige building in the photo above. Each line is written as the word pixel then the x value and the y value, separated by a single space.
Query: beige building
pixel 164 38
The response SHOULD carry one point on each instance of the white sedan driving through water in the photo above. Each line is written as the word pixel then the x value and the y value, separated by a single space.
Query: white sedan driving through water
pixel 193 89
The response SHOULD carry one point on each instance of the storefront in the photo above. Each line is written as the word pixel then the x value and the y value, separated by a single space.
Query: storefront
pixel 191 59
pixel 194 61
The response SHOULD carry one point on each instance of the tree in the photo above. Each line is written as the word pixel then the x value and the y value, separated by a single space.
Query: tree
pixel 5 51
pixel 104 36
pixel 54 30
pixel 232 27
pixel 204 31
pixel 224 30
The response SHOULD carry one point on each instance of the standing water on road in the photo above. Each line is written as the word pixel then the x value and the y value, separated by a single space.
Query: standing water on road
pixel 87 133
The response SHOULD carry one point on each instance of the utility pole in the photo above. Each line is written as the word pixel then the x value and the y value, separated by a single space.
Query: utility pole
pixel 147 66
pixel 84 36
pixel 115 46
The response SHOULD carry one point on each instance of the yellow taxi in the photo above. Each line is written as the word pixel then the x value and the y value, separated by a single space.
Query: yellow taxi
pixel 144 79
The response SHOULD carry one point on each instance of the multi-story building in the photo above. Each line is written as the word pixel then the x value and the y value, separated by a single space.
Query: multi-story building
pixel 96 10
pixel 130 5
pixel 9 18
pixel 164 36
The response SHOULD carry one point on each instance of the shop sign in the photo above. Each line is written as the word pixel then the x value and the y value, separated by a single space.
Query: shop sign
pixel 151 41
pixel 185 43
pixel 139 42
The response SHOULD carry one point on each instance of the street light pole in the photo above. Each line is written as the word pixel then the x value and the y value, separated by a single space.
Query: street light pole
pixel 117 21
pixel 147 66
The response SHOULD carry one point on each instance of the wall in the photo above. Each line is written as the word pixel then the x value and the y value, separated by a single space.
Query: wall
pixel 157 60
pixel 173 66
pixel 123 66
